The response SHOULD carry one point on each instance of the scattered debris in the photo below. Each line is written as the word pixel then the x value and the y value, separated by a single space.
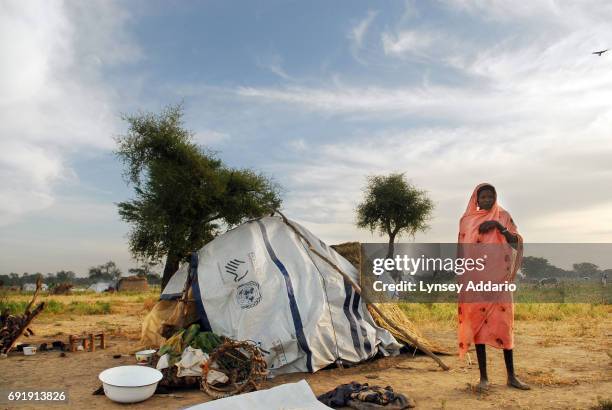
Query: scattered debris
pixel 29 350
pixel 362 396
pixel 55 345
pixel 87 342
pixel 12 327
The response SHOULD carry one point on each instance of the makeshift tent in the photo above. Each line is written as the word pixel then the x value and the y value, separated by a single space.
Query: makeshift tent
pixel 273 282
pixel 31 287
pixel 100 287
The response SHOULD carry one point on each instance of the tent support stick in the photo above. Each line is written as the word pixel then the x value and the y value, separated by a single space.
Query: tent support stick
pixel 357 289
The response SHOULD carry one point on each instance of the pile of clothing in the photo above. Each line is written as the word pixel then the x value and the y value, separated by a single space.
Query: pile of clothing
pixel 365 397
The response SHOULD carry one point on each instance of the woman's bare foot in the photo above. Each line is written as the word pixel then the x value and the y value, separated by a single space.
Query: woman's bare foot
pixel 483 385
pixel 513 381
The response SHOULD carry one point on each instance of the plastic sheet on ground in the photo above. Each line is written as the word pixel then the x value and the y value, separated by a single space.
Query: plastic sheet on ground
pixel 290 396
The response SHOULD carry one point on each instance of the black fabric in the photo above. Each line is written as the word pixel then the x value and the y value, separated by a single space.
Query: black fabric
pixel 509 362
pixel 363 396
pixel 481 354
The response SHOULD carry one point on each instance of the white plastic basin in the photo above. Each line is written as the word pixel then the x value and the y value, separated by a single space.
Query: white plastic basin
pixel 130 384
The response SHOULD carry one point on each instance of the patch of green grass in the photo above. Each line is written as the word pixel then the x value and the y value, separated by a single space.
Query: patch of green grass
pixel 84 308
pixel 14 307
pixel 53 306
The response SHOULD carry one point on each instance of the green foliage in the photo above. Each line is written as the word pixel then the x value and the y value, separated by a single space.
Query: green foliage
pixel 183 194
pixel 394 207
pixel 534 266
pixel 106 272
pixel 586 269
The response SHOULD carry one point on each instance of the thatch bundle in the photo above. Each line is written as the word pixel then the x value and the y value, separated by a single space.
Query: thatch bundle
pixel 351 251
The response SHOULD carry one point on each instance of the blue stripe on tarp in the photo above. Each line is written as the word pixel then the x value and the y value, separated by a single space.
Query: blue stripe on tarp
pixel 170 296
pixel 295 313
pixel 366 343
pixel 195 290
pixel 348 289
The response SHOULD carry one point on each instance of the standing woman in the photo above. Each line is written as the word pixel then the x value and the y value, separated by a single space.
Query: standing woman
pixel 490 321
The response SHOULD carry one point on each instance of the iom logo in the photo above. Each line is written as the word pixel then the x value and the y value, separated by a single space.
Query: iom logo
pixel 248 295
pixel 237 268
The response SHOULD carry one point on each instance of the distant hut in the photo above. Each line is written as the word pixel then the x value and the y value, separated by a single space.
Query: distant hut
pixel 62 289
pixel 133 283
pixel 100 287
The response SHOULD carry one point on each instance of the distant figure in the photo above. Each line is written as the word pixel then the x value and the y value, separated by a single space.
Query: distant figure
pixel 490 323
pixel 599 53
pixel 604 279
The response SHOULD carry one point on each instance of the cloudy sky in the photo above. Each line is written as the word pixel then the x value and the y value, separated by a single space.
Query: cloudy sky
pixel 317 95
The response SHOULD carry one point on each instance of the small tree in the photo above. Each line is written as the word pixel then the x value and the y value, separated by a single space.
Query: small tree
pixel 394 207
pixel 183 194
pixel 535 267
pixel 586 269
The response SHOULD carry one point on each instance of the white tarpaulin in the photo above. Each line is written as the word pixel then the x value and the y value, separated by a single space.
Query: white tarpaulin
pixel 100 287
pixel 290 396
pixel 261 282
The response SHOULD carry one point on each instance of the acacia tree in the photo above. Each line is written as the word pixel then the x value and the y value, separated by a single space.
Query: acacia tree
pixel 183 193
pixel 108 271
pixel 394 207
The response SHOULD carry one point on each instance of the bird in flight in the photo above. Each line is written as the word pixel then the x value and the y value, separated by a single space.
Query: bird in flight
pixel 599 53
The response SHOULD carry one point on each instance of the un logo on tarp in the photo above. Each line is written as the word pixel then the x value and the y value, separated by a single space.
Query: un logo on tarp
pixel 248 295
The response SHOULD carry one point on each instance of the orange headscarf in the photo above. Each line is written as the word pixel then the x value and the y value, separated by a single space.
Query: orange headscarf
pixel 488 322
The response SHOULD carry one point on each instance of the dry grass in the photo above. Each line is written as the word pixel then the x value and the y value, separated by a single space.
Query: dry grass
pixel 445 314
pixel 548 378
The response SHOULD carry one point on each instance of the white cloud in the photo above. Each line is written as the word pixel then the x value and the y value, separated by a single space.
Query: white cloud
pixel 298 145
pixel 548 186
pixel 532 115
pixel 359 31
pixel 53 98
pixel 274 63
pixel 407 42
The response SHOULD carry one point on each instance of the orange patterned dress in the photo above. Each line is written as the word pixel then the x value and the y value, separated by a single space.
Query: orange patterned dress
pixel 489 320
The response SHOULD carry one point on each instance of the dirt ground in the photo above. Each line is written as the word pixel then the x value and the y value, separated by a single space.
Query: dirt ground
pixel 569 365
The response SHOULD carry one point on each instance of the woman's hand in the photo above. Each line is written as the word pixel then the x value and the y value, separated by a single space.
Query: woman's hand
pixel 488 225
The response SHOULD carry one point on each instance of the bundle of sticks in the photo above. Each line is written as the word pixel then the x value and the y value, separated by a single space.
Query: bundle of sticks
pixel 12 327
